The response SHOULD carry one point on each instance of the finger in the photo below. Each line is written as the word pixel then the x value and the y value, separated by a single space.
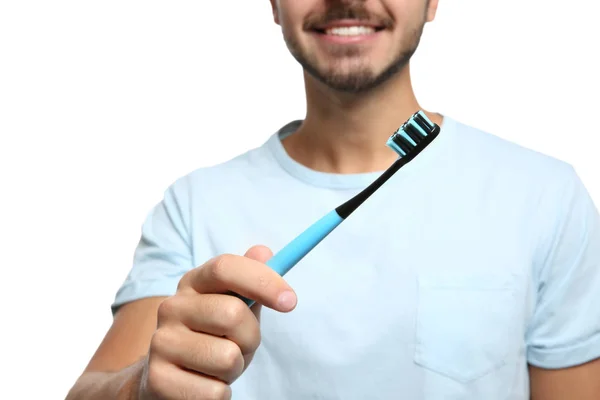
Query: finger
pixel 169 382
pixel 210 355
pixel 246 277
pixel 259 253
pixel 262 254
pixel 215 314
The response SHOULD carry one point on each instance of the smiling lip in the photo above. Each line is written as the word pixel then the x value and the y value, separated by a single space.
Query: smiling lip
pixel 348 31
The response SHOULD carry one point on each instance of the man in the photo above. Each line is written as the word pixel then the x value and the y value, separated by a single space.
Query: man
pixel 472 274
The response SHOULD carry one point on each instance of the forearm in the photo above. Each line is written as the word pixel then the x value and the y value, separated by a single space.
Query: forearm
pixel 119 385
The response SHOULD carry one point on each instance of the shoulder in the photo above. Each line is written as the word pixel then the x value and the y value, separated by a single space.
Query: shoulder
pixel 505 160
pixel 238 170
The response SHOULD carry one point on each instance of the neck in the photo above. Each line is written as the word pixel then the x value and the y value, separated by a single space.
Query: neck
pixel 346 133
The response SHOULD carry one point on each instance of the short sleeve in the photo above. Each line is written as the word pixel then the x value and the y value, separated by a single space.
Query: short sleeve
pixel 565 328
pixel 164 252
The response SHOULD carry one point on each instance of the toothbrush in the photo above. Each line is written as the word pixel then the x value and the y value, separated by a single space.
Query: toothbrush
pixel 408 141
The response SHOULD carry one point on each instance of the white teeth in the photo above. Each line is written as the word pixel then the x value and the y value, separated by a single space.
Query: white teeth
pixel 350 31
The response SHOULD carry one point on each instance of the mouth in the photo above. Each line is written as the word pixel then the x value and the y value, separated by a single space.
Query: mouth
pixel 348 29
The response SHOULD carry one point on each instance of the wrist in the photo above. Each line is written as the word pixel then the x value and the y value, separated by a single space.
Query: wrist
pixel 130 389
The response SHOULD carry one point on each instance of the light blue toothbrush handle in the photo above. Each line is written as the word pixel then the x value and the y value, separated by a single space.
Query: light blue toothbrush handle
pixel 293 252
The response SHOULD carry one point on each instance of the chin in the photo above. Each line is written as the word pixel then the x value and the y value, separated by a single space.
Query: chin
pixel 356 82
pixel 355 78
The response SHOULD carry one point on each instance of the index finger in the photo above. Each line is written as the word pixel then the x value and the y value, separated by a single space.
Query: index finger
pixel 247 277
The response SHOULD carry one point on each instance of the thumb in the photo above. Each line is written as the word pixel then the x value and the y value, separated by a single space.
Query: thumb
pixel 259 253
pixel 262 254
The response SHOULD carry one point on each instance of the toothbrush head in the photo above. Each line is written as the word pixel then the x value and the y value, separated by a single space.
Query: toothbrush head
pixel 413 136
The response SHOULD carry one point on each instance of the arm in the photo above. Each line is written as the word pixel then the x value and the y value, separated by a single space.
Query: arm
pixel 204 340
pixel 564 336
pixel 581 382
pixel 162 256
pixel 115 369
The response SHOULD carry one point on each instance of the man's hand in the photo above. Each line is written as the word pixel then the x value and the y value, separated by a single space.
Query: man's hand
pixel 206 338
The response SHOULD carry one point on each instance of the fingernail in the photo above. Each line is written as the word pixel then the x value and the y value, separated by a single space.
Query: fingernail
pixel 286 300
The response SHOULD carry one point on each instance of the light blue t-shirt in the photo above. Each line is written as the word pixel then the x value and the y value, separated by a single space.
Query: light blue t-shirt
pixel 477 258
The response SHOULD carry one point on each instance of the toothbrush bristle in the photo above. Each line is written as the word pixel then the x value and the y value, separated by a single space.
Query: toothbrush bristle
pixel 416 133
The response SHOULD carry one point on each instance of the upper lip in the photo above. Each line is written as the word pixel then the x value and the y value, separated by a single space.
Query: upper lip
pixel 346 23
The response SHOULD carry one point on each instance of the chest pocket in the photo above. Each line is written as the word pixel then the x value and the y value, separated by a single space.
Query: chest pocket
pixel 467 324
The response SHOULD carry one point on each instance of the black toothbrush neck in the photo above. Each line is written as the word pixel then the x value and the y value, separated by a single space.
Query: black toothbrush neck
pixel 351 205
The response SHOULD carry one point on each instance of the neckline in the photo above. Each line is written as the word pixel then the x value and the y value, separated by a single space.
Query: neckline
pixel 350 181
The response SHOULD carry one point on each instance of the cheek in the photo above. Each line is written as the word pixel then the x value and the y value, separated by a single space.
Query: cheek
pixel 406 12
pixel 293 12
pixel 292 15
pixel 409 20
pixel 290 27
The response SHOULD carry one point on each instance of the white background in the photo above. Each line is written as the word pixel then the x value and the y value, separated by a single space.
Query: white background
pixel 104 104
